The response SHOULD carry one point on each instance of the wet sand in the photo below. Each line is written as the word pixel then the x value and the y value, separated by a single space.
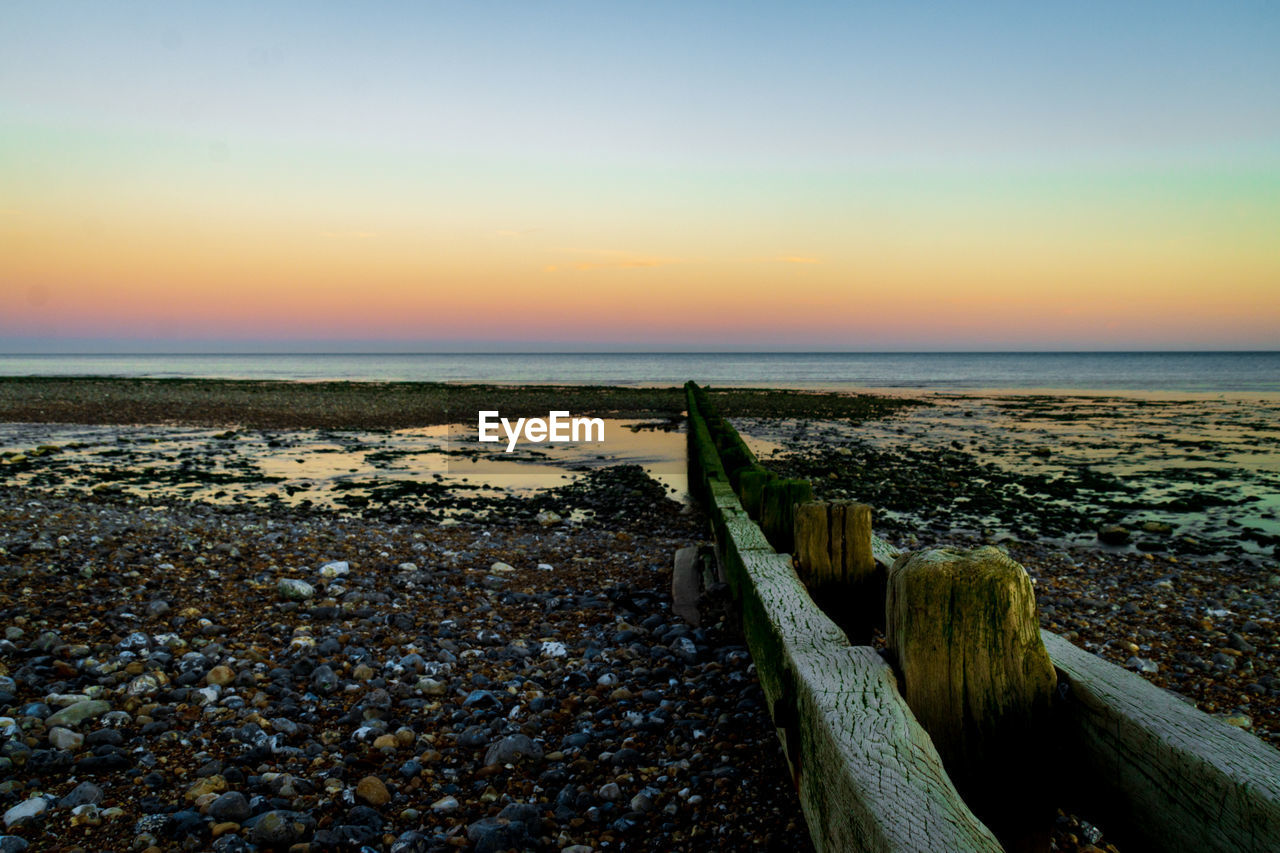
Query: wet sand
pixel 378 405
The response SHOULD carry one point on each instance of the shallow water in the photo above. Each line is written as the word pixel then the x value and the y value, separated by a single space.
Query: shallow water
pixel 321 468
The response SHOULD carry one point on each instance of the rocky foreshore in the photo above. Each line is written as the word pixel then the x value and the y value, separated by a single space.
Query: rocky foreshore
pixel 294 636
pixel 199 677
pixel 1150 527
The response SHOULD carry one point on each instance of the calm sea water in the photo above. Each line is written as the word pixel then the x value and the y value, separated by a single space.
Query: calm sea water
pixel 1121 371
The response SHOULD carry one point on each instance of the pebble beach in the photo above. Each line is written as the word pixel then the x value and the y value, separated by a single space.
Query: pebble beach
pixel 202 651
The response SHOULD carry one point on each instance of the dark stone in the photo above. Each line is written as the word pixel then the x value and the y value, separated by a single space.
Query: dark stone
pixel 1113 534
pixel 495 835
pixel 231 806
pixel 103 737
pixel 85 792
pixel 280 827
pixel 185 824
pixel 411 842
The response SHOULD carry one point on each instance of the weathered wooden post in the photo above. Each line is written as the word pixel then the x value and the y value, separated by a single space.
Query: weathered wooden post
pixel 777 511
pixel 835 560
pixel 963 628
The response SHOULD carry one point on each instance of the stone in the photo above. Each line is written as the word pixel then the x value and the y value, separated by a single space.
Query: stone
pixel 373 791
pixel 411 841
pixel 62 738
pixel 86 793
pixel 147 684
pixel 548 518
pixel 185 824
pixel 511 750
pixel 281 827
pixel 335 569
pixel 493 835
pixel 231 806
pixel 291 589
pixel 220 676
pixel 215 784
pixel 74 715
pixel 324 679
pixel 445 804
pixel 1113 534
pixel 25 811
pixel 431 686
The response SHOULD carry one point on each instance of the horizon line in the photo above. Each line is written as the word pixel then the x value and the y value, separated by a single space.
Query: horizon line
pixel 583 352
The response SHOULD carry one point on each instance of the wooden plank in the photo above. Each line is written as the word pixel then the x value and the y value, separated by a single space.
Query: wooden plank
pixel 869 779
pixel 1173 778
pixel 742 536
pixel 883 553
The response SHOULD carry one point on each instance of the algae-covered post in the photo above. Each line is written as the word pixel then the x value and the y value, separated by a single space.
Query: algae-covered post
pixel 835 560
pixel 751 489
pixel 963 628
pixel 778 511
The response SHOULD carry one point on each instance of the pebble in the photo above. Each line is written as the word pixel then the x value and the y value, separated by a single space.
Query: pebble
pixel 280 826
pixel 220 675
pixel 60 738
pixel 512 749
pixel 231 806
pixel 74 715
pixel 335 569
pixel 25 811
pixel 292 589
pixel 373 791
pixel 446 803
pixel 454 689
pixel 86 793
pixel 1142 665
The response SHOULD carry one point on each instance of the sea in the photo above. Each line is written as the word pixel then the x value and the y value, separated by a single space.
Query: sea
pixel 1150 372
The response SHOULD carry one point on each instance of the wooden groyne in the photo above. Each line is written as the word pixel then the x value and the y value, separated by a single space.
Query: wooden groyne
pixel 997 694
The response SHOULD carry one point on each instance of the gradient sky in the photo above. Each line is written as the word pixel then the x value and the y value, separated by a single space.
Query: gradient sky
pixel 640 175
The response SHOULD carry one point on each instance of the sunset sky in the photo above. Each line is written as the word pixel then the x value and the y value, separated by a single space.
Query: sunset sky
pixel 649 175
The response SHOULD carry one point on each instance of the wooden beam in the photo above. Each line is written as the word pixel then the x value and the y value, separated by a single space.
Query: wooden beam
pixel 868 776
pixel 1167 776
